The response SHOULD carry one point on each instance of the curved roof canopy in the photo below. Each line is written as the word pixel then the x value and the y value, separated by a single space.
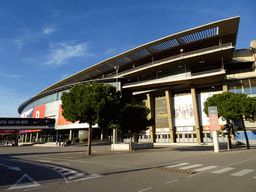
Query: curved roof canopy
pixel 219 28
pixel 226 28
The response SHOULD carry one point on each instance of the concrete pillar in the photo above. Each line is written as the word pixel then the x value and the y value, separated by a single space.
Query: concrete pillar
pixel 70 134
pixel 26 137
pixel 224 86
pixel 196 114
pixel 151 106
pixel 30 138
pixel 169 104
pixel 114 136
pixel 101 134
pixel 57 135
pixel 37 137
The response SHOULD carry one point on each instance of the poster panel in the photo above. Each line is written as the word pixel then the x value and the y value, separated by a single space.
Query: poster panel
pixel 204 120
pixel 183 111
pixel 27 114
pixel 39 112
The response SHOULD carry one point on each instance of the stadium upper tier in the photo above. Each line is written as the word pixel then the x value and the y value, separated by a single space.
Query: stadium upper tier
pixel 162 53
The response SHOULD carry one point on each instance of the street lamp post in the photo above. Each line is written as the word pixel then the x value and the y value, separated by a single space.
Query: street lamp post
pixel 116 67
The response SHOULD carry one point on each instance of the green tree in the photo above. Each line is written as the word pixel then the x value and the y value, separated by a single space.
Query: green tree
pixel 88 104
pixel 133 119
pixel 232 106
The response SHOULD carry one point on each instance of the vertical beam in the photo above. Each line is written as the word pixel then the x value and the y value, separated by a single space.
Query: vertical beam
pixel 57 135
pixel 224 86
pixel 196 114
pixel 70 134
pixel 101 134
pixel 30 138
pixel 151 106
pixel 26 137
pixel 37 137
pixel 169 103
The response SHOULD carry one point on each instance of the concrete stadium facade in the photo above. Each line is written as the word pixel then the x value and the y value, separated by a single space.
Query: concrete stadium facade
pixel 172 76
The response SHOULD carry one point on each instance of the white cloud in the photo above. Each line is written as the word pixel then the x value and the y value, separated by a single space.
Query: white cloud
pixel 63 52
pixel 10 76
pixel 48 30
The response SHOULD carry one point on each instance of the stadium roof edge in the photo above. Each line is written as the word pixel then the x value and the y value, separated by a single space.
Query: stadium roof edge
pixel 228 26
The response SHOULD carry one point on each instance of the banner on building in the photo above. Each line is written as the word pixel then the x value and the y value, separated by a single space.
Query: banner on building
pixel 183 111
pixel 36 112
pixel 204 119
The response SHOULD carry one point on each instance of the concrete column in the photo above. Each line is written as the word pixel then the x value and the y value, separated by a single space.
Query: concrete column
pixel 114 136
pixel 30 138
pixel 169 104
pixel 151 106
pixel 70 134
pixel 196 114
pixel 37 137
pixel 26 137
pixel 101 134
pixel 57 135
pixel 224 86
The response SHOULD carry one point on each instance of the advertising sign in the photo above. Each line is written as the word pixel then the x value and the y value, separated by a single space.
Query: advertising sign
pixel 39 112
pixel 213 118
pixel 183 110
pixel 204 120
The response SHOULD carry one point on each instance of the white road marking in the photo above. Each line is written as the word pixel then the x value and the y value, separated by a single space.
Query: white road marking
pixel 191 166
pixel 206 168
pixel 171 181
pixel 89 177
pixel 70 172
pixel 242 173
pixel 12 168
pixel 252 159
pixel 76 175
pixel 145 189
pixel 44 161
pixel 36 188
pixel 16 186
pixel 177 165
pixel 223 170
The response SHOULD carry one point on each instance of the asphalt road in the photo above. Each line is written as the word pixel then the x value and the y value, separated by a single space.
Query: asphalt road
pixel 161 169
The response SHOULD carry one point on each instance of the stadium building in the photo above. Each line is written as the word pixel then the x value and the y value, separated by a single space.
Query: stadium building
pixel 173 76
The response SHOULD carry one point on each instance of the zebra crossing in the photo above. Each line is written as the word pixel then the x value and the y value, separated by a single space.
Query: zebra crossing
pixel 215 169
pixel 72 175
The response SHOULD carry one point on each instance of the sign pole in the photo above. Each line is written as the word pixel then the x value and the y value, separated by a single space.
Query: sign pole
pixel 214 126
pixel 215 142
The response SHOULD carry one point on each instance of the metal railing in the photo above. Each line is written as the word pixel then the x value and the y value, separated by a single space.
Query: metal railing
pixel 172 58
pixel 179 77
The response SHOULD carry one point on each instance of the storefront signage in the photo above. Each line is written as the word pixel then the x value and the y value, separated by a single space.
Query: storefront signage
pixel 26 122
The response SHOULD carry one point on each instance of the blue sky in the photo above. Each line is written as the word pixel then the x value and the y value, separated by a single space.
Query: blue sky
pixel 45 41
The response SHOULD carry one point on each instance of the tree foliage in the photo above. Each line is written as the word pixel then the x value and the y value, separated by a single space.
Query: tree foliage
pixel 232 106
pixel 90 103
pixel 134 118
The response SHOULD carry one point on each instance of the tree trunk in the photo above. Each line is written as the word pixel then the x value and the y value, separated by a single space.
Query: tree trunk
pixel 245 134
pixel 229 138
pixel 130 142
pixel 89 140
pixel 229 141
